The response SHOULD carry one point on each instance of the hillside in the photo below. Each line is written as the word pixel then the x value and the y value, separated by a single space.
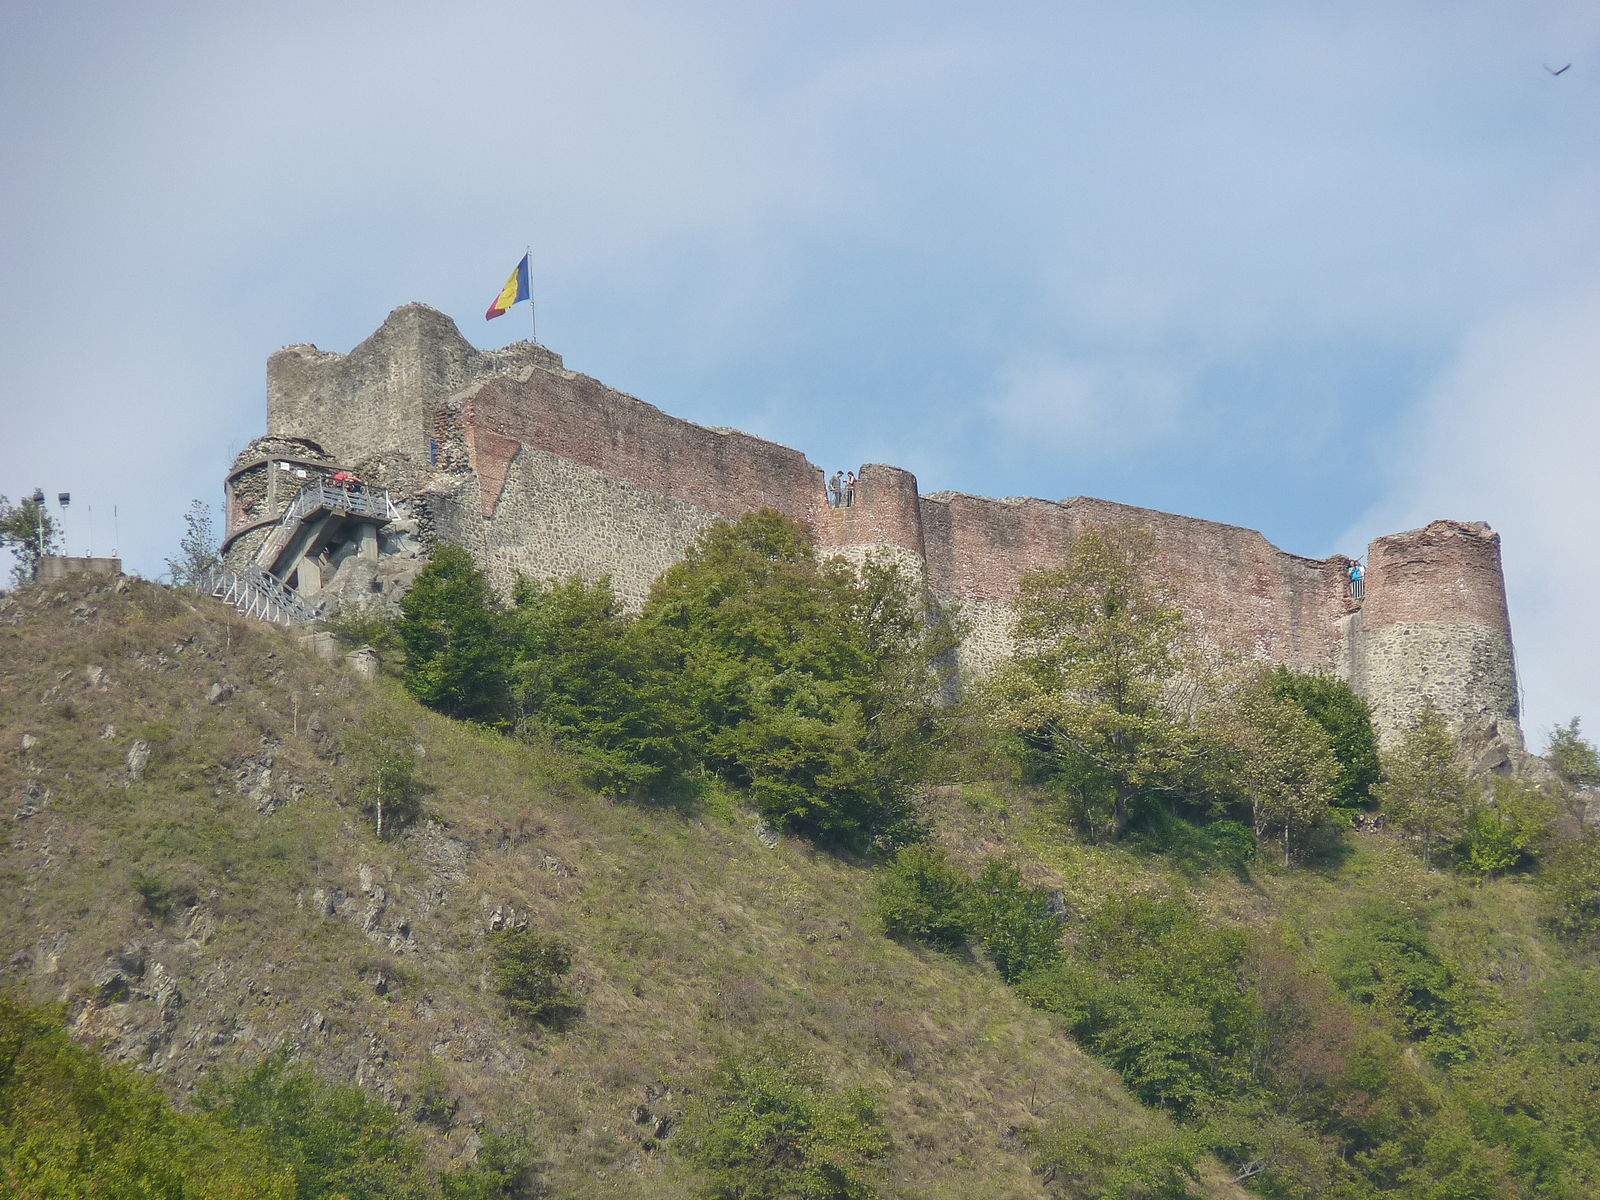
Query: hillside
pixel 150 733
pixel 195 880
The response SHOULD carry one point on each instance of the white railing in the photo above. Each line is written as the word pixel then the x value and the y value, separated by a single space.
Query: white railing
pixel 257 594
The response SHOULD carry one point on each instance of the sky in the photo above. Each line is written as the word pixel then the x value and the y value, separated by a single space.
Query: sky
pixel 1323 270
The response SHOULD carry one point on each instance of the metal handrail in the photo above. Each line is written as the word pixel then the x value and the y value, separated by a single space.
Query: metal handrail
pixel 323 495
pixel 255 593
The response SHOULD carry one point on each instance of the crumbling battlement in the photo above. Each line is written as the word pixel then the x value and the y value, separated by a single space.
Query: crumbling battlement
pixel 541 470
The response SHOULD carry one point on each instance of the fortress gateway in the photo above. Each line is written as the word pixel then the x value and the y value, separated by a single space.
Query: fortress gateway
pixel 538 469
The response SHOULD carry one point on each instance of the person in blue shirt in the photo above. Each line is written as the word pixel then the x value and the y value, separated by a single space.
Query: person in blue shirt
pixel 1357 583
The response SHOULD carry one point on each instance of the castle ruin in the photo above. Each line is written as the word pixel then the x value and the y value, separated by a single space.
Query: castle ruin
pixel 540 470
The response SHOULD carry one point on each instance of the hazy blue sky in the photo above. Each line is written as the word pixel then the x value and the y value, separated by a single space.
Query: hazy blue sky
pixel 1325 270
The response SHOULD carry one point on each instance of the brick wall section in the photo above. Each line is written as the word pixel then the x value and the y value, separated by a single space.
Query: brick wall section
pixel 1446 571
pixel 1239 590
pixel 580 419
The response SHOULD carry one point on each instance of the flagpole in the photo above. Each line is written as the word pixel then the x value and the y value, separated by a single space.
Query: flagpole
pixel 533 309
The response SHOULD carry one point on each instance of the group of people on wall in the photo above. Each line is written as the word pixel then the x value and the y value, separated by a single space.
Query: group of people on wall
pixel 842 489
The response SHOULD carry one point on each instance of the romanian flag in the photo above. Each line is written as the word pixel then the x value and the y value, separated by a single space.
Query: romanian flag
pixel 517 288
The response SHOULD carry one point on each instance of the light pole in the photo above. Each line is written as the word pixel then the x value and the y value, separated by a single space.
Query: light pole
pixel 37 499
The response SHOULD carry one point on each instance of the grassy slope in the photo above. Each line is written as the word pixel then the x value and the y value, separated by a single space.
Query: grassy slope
pixel 691 935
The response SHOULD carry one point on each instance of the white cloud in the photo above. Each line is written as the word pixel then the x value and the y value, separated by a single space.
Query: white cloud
pixel 1085 408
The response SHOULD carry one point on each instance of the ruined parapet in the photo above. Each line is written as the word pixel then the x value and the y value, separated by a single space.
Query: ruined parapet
pixel 1433 626
pixel 379 397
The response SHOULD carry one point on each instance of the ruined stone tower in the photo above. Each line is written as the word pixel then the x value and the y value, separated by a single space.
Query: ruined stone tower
pixel 537 469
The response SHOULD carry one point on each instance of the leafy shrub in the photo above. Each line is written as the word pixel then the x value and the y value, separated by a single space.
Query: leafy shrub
pixel 1014 921
pixel 1233 843
pixel 433 1105
pixel 506 1168
pixel 1571 885
pixel 1566 1011
pixel 356 625
pixel 1383 957
pixel 529 971
pixel 338 1140
pixel 1108 1160
pixel 1157 994
pixel 767 1125
pixel 74 1125
pixel 922 896
pixel 1504 827
pixel 161 896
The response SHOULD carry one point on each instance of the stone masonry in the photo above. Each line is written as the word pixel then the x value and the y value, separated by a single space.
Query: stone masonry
pixel 541 470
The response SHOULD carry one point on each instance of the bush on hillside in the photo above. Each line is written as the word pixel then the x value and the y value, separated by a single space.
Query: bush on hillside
pixel 339 1141
pixel 530 971
pixel 767 1125
pixel 924 897
pixel 1108 1160
pixel 1014 921
pixel 72 1124
pixel 1570 882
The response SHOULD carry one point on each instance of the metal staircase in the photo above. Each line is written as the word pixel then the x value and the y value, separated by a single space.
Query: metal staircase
pixel 321 513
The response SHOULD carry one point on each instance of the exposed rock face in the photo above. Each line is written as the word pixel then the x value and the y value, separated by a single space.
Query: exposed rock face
pixel 541 470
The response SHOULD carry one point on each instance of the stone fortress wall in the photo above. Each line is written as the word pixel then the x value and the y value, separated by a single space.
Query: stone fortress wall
pixel 542 470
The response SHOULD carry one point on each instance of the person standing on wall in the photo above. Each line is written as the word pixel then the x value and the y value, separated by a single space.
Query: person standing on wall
pixel 1357 581
pixel 850 490
pixel 835 493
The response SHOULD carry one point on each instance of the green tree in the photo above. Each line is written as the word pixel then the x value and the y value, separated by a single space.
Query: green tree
pixel 583 673
pixel 1571 885
pixel 506 1168
pixel 1424 790
pixel 1507 822
pixel 389 783
pixel 1109 1160
pixel 1088 693
pixel 812 684
pixel 197 551
pixel 1576 762
pixel 1014 921
pixel 73 1125
pixel 767 1125
pixel 1288 771
pixel 339 1141
pixel 450 626
pixel 1383 956
pixel 924 897
pixel 1157 993
pixel 1347 720
pixel 29 531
